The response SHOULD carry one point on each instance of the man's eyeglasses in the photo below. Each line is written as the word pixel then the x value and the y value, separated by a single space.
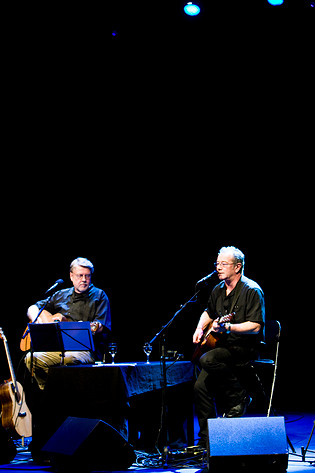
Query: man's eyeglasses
pixel 81 276
pixel 219 263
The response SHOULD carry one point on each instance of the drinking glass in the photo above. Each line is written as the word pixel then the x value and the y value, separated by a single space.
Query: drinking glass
pixel 147 348
pixel 112 349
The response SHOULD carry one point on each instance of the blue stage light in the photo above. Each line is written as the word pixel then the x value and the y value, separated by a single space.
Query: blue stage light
pixel 191 9
pixel 275 2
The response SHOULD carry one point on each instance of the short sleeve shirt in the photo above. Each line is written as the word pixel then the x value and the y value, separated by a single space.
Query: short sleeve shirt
pixel 89 306
pixel 248 306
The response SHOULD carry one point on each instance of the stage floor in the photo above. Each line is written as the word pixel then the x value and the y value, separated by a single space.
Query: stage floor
pixel 298 427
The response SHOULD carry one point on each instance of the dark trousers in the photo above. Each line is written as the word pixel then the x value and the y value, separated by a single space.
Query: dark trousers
pixel 218 383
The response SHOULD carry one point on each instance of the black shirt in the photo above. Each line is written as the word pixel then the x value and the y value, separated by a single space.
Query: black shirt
pixel 89 306
pixel 249 306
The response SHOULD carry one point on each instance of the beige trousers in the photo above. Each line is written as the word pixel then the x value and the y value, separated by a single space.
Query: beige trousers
pixel 43 360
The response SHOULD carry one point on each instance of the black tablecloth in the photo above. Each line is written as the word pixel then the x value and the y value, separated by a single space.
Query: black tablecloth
pixel 112 393
pixel 149 377
pixel 114 384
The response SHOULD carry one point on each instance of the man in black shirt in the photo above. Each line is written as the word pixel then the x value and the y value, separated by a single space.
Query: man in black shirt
pixel 82 302
pixel 237 341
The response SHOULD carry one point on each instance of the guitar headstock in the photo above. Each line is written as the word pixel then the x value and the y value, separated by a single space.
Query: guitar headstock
pixel 2 334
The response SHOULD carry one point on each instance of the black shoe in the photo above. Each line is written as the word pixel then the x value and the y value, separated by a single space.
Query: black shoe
pixel 201 445
pixel 240 409
pixel 196 449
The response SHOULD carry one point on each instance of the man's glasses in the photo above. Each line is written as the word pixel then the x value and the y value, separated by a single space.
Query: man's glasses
pixel 81 276
pixel 219 263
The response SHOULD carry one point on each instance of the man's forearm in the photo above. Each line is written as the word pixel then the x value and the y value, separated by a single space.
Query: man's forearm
pixel 204 320
pixel 245 328
pixel 45 316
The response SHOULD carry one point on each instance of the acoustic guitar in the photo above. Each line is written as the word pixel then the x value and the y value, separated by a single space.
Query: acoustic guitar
pixel 25 343
pixel 209 338
pixel 16 416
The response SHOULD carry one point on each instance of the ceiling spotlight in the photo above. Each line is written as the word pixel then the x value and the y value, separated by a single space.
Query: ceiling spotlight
pixel 275 2
pixel 191 9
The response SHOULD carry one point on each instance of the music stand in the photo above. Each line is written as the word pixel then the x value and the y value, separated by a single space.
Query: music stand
pixel 62 337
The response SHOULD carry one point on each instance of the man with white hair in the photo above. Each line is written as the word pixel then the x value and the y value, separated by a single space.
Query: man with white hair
pixel 82 302
pixel 236 340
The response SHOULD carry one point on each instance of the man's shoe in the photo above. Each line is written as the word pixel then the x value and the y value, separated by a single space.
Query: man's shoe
pixel 240 409
pixel 196 449
pixel 201 445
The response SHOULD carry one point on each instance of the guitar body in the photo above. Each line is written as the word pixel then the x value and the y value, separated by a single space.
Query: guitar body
pixel 25 343
pixel 16 416
pixel 207 343
pixel 210 339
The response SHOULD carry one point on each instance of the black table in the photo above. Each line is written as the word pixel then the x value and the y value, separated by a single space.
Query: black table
pixel 115 393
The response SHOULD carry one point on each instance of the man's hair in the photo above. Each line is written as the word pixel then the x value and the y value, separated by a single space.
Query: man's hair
pixel 81 262
pixel 238 255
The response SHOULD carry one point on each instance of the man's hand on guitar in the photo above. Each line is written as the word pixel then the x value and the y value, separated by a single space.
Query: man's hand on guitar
pixel 197 335
pixel 218 327
pixel 203 323
pixel 58 318
pixel 96 327
pixel 45 317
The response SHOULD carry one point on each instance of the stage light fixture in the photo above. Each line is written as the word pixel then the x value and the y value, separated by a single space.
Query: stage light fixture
pixel 275 2
pixel 191 9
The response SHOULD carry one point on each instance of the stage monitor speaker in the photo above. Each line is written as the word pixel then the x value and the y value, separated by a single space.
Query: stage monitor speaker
pixel 7 447
pixel 88 444
pixel 247 444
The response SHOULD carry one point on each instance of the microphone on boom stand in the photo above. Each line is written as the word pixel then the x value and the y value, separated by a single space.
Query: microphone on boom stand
pixel 59 281
pixel 205 281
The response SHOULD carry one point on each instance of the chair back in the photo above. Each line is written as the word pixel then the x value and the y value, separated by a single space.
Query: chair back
pixel 268 348
pixel 272 331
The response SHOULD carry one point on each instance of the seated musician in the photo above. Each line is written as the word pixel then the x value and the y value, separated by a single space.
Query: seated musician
pixel 82 302
pixel 237 343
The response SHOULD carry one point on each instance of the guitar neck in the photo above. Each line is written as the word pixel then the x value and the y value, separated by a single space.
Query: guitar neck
pixel 7 351
pixel 226 318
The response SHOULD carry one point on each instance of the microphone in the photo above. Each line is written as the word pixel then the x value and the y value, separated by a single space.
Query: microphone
pixel 206 278
pixel 59 281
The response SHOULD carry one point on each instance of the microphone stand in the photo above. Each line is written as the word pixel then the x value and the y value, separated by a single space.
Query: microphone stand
pixel 59 281
pixel 162 336
pixel 39 312
pixel 28 330
pixel 34 321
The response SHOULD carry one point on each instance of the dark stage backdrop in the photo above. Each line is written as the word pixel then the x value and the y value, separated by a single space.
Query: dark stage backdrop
pixel 146 155
pixel 148 254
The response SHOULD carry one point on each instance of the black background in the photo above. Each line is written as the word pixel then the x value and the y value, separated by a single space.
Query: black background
pixel 148 151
